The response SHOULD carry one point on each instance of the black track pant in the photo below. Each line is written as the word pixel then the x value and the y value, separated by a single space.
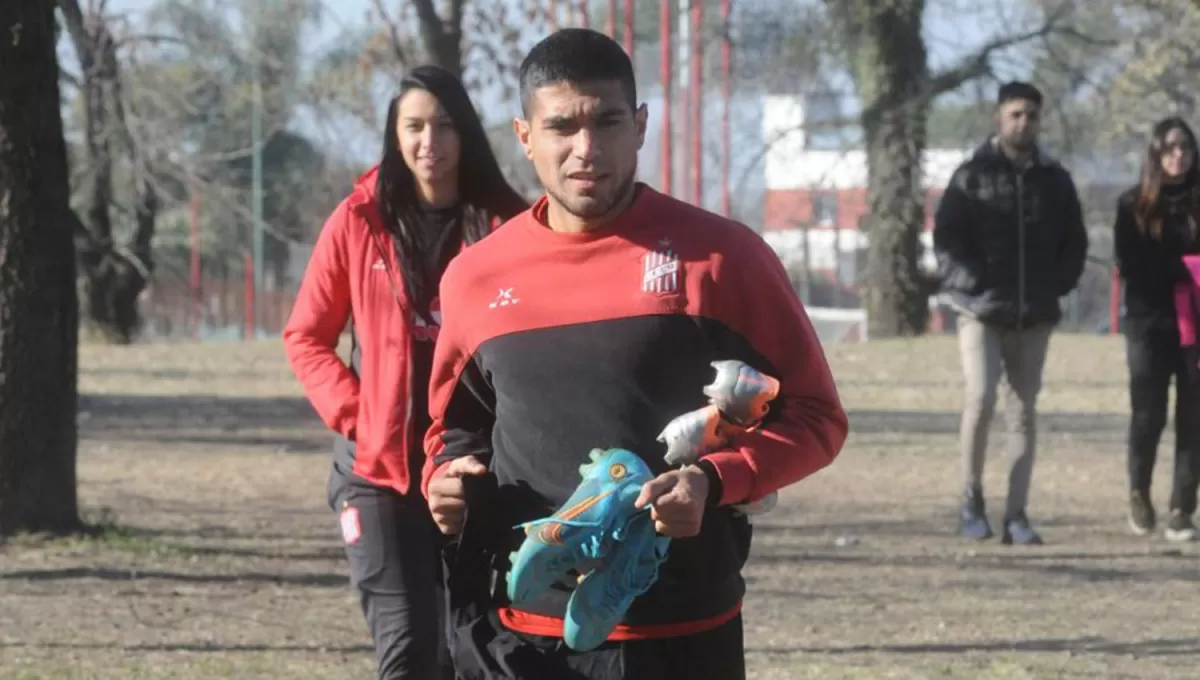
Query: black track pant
pixel 394 552
pixel 1154 357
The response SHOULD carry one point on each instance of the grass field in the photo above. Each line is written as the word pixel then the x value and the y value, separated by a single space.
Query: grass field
pixel 221 560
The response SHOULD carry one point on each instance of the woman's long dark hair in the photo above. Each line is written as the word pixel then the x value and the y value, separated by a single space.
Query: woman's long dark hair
pixel 483 193
pixel 1149 207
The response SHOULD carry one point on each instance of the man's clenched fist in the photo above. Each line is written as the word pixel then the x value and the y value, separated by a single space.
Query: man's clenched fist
pixel 447 500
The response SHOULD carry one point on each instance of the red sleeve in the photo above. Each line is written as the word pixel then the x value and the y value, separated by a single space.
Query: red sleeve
pixel 462 403
pixel 807 425
pixel 447 358
pixel 318 317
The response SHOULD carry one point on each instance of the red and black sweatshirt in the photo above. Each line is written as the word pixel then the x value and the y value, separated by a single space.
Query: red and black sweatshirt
pixel 553 344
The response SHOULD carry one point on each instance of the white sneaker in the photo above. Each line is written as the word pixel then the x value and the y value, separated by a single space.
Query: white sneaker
pixel 1180 529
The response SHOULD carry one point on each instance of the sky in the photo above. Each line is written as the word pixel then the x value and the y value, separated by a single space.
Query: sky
pixel 950 29
pixel 953 28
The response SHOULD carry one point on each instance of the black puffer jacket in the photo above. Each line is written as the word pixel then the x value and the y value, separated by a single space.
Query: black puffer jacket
pixel 1009 242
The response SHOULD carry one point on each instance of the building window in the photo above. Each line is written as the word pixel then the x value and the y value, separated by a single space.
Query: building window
pixel 824 208
pixel 825 122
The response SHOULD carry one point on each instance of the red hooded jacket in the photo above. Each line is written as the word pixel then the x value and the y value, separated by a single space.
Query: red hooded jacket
pixel 354 274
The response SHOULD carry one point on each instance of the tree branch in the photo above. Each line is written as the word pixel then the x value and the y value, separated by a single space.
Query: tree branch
pixel 78 33
pixel 153 38
pixel 979 63
pixel 441 40
pixel 456 12
pixel 71 78
pixel 393 33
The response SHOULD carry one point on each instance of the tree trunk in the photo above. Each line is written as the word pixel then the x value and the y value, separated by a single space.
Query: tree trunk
pixel 888 60
pixel 897 296
pixel 39 310
pixel 110 283
pixel 110 279
pixel 442 38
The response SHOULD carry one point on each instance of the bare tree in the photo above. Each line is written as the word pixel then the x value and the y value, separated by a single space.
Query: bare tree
pixel 1154 72
pixel 112 275
pixel 38 305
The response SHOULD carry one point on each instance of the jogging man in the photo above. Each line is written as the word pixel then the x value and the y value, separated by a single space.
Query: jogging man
pixel 1010 241
pixel 591 321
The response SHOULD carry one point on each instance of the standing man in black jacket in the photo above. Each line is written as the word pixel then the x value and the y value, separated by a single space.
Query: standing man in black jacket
pixel 1010 241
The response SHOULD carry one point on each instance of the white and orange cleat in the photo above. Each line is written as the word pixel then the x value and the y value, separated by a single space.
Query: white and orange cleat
pixel 742 393
pixel 696 433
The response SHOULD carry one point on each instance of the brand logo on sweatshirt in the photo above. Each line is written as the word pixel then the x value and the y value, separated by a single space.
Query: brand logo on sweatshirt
pixel 660 269
pixel 504 299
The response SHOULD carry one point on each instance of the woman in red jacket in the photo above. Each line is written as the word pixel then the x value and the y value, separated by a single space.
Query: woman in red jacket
pixel 377 264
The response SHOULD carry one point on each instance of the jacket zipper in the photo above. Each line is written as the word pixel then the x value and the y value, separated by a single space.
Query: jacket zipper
pixel 1020 250
pixel 409 435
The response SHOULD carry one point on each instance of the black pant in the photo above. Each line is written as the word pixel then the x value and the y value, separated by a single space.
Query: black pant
pixel 1154 357
pixel 492 652
pixel 393 548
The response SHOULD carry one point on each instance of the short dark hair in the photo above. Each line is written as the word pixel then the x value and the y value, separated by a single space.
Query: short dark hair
pixel 576 55
pixel 1017 89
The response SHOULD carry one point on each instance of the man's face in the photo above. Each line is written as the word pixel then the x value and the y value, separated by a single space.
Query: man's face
pixel 583 139
pixel 1018 122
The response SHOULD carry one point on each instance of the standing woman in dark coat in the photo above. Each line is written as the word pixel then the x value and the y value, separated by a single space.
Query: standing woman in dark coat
pixel 1156 226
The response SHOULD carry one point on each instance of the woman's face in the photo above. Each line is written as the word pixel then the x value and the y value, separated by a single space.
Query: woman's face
pixel 428 140
pixel 1177 154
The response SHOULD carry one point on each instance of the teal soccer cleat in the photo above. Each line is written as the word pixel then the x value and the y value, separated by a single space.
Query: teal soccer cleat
pixel 606 593
pixel 582 531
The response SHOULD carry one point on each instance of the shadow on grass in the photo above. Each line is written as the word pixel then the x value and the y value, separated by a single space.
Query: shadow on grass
pixel 331 554
pixel 1080 568
pixel 201 419
pixel 1088 425
pixel 215 531
pixel 955 384
pixel 1083 645
pixel 108 574
pixel 210 647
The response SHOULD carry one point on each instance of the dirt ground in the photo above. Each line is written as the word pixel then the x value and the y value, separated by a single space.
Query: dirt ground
pixel 221 559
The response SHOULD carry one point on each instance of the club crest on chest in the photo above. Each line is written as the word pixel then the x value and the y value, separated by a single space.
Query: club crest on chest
pixel 662 284
pixel 662 272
